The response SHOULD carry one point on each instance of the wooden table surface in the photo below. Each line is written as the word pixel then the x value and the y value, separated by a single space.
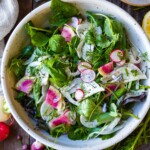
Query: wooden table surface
pixel 25 7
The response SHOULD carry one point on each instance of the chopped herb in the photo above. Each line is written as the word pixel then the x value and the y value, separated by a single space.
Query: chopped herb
pixel 134 72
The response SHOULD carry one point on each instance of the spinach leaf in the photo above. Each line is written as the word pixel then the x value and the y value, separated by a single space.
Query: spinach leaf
pixel 88 109
pixel 104 118
pixel 57 43
pixel 17 67
pixel 39 39
pixel 27 51
pixel 37 91
pixel 61 12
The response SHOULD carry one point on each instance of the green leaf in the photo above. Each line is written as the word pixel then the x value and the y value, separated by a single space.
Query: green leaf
pixel 94 19
pixel 61 12
pixel 57 43
pixel 17 67
pixel 89 109
pixel 27 51
pixel 28 28
pixel 59 130
pixel 39 39
pixel 113 110
pixel 78 133
pixel 120 92
pixel 104 118
pixel 58 75
pixel 90 36
pixel 73 44
pixel 102 41
pixel 37 91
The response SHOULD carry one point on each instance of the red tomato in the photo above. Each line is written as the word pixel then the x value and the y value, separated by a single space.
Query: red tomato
pixel 4 131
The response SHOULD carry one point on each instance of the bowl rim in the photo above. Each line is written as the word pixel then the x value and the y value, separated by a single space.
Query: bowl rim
pixel 30 131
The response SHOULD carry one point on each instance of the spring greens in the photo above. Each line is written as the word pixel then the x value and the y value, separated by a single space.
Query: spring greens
pixel 79 87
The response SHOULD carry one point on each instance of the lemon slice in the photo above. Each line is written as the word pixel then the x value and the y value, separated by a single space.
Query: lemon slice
pixel 146 24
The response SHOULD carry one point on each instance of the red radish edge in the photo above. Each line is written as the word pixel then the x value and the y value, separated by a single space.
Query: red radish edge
pixel 4 130
pixel 79 94
pixel 106 69
pixel 121 63
pixel 88 75
pixel 82 64
pixel 114 55
pixel 67 33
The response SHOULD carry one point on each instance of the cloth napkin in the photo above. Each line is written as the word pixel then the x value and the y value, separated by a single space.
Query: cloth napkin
pixel 9 10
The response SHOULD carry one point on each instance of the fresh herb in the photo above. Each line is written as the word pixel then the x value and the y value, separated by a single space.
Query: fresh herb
pixel 37 91
pixel 17 67
pixel 134 72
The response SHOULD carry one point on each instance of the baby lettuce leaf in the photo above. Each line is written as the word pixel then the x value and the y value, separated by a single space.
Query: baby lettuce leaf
pixel 37 91
pixel 17 67
pixel 26 52
pixel 58 76
pixel 38 38
pixel 57 43
pixel 89 109
pixel 62 12
pixel 104 118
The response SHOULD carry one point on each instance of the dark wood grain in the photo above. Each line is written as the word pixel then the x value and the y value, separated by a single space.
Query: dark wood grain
pixel 25 6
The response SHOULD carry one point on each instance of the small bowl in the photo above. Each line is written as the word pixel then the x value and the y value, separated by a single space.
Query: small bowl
pixel 19 38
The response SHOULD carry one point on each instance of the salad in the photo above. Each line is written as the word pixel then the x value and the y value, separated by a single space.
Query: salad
pixel 80 75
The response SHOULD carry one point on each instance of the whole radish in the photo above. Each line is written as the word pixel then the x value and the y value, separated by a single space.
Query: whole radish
pixel 4 131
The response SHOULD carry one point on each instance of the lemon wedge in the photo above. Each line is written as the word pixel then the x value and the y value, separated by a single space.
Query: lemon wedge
pixel 146 24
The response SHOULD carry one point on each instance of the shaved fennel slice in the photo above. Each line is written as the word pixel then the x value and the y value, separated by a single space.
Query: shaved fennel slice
pixel 45 111
pixel 79 48
pixel 69 98
pixel 107 129
pixel 129 72
pixel 44 91
pixel 82 29
pixel 91 124
pixel 88 88
pixel 85 50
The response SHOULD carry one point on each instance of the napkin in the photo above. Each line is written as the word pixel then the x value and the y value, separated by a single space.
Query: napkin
pixel 9 10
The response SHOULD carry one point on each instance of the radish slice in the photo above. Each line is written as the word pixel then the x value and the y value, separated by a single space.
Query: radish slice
pixel 116 55
pixel 88 75
pixel 84 65
pixel 74 22
pixel 67 117
pixel 106 69
pixel 121 63
pixel 67 33
pixel 79 94
pixel 25 84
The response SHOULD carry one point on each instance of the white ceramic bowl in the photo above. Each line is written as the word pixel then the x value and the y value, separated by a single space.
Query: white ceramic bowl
pixel 19 38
